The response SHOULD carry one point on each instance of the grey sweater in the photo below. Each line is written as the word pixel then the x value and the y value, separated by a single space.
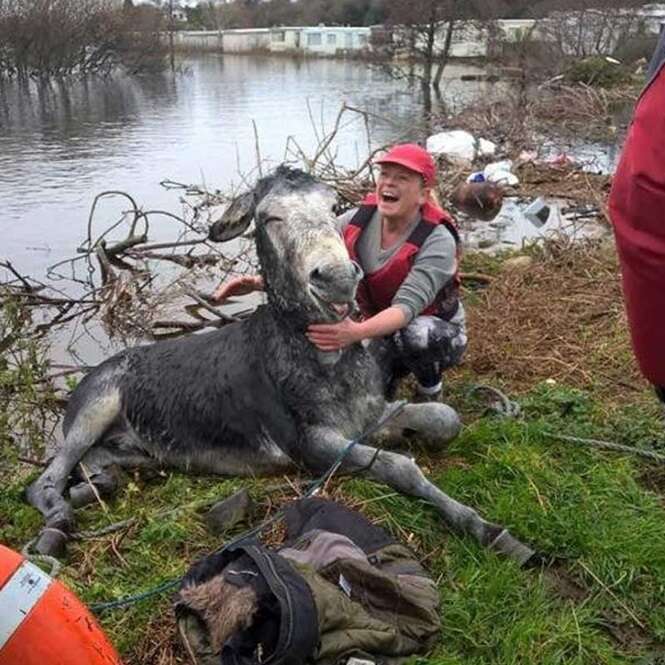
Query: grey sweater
pixel 434 265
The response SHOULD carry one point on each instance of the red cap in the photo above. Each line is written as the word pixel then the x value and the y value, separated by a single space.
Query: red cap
pixel 412 157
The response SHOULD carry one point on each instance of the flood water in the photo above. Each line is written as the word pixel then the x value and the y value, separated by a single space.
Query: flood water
pixel 62 145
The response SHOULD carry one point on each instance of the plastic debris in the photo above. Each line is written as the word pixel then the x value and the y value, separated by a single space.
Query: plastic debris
pixel 501 172
pixel 477 176
pixel 486 148
pixel 537 212
pixel 561 159
pixel 459 146
pixel 456 145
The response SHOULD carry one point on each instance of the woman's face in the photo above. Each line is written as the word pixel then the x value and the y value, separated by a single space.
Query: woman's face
pixel 400 192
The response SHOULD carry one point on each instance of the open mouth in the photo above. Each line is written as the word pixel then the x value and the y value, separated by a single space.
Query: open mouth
pixel 338 310
pixel 389 197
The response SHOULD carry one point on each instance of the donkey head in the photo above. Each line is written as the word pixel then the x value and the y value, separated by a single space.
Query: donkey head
pixel 305 265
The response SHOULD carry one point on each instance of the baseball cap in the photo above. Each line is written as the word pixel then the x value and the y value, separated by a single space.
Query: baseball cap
pixel 412 157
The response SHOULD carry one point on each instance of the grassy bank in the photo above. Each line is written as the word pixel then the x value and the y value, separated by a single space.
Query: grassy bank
pixel 552 335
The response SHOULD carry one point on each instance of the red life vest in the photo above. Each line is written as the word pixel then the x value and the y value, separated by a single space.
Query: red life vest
pixel 377 290
pixel 637 210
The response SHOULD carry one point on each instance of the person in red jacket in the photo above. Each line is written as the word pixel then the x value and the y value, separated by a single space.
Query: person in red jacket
pixel 637 211
pixel 408 249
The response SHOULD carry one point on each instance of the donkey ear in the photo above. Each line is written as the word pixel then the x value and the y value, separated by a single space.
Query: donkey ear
pixel 235 220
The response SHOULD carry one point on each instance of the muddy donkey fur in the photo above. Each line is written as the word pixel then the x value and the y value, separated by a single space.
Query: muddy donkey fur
pixel 254 397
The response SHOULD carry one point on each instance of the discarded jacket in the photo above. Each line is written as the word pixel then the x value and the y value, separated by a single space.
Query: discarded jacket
pixel 339 587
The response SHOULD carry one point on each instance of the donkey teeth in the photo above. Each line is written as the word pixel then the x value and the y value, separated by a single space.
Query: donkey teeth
pixel 340 308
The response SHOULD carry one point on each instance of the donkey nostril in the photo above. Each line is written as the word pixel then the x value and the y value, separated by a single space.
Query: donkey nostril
pixel 356 267
pixel 315 275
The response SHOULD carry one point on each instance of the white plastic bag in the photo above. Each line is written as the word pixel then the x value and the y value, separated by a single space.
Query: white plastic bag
pixel 457 145
pixel 501 173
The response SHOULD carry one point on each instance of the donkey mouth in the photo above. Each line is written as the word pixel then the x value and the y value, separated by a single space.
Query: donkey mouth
pixel 331 308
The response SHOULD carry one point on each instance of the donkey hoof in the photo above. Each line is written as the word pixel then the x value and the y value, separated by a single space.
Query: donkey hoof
pixel 52 542
pixel 508 545
pixel 81 495
pixel 540 560
pixel 103 485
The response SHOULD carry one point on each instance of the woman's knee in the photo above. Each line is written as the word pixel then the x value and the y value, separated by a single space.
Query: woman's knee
pixel 432 337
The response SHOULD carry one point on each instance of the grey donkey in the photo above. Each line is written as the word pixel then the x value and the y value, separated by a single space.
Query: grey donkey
pixel 255 397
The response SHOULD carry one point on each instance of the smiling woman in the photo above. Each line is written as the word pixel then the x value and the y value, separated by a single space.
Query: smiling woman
pixel 408 249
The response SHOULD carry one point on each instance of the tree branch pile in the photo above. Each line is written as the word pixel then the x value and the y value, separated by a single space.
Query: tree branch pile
pixel 523 118
pixel 560 318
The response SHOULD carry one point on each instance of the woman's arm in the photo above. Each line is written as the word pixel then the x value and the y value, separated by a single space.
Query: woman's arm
pixel 334 336
pixel 433 268
pixel 238 286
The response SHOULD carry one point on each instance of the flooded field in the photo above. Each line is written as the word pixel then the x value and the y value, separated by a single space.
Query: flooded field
pixel 60 146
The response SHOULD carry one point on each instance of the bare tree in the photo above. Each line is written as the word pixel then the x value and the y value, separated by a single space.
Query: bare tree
pixel 56 38
pixel 588 27
pixel 422 32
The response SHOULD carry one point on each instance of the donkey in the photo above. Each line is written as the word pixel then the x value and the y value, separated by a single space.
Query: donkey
pixel 255 397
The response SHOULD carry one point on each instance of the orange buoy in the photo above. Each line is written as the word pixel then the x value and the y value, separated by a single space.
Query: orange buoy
pixel 41 621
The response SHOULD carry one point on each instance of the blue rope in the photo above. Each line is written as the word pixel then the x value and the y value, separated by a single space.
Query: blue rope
pixel 311 490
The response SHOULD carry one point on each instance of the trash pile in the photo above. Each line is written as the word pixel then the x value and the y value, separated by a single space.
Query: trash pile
pixel 542 197
pixel 460 147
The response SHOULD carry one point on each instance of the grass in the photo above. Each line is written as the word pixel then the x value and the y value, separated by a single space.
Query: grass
pixel 601 603
pixel 599 514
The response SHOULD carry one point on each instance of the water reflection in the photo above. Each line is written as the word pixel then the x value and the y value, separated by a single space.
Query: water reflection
pixel 60 145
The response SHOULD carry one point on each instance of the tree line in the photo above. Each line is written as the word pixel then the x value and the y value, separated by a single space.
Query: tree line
pixel 59 38
pixel 213 14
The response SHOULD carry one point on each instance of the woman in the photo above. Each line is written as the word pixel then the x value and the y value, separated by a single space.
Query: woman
pixel 408 249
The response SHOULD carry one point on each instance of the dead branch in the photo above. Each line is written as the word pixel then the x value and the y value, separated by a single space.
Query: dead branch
pixel 213 310
pixel 26 284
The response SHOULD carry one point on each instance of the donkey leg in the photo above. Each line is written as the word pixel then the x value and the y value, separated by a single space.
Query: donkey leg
pixel 324 445
pixel 434 422
pixel 46 493
pixel 102 476
pixel 102 467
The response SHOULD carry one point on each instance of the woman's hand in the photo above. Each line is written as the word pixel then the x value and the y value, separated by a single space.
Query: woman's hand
pixel 238 286
pixel 334 336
